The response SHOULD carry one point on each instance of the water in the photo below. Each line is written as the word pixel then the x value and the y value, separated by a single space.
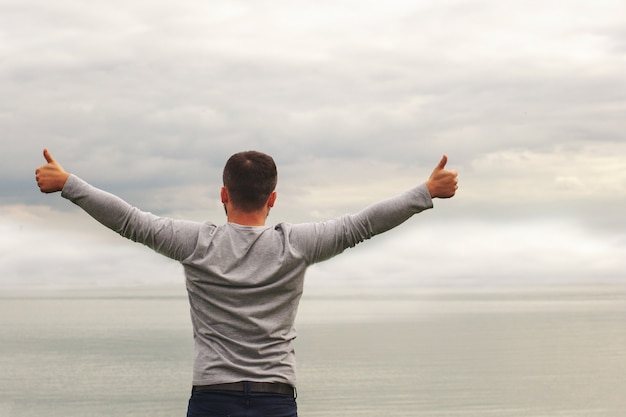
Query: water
pixel 546 352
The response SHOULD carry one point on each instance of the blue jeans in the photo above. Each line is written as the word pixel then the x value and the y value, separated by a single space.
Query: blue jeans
pixel 240 404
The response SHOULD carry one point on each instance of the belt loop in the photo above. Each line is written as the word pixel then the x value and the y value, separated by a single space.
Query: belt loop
pixel 295 393
pixel 246 387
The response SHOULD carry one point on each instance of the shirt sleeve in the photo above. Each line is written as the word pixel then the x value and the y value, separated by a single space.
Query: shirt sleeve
pixel 173 238
pixel 322 240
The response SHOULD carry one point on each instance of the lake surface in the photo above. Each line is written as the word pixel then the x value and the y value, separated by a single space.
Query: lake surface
pixel 423 352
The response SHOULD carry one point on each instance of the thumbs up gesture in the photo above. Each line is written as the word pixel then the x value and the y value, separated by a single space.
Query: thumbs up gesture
pixel 442 183
pixel 50 177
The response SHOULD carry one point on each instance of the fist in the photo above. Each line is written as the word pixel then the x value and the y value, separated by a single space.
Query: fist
pixel 442 183
pixel 50 177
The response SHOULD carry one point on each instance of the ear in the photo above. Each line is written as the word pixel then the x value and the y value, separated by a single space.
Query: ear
pixel 272 199
pixel 224 195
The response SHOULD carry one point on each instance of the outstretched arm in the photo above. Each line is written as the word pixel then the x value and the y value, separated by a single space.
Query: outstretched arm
pixel 173 238
pixel 50 177
pixel 322 240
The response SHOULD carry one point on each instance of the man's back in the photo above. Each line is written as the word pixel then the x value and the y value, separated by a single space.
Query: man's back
pixel 244 285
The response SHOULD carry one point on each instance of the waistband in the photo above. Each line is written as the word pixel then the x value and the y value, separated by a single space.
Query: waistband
pixel 249 386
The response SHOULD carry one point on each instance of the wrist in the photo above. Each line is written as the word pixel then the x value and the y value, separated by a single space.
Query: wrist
pixel 431 188
pixel 62 180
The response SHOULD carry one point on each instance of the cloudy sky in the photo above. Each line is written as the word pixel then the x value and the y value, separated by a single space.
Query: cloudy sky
pixel 356 101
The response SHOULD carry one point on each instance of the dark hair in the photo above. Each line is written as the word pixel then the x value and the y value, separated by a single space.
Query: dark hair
pixel 250 177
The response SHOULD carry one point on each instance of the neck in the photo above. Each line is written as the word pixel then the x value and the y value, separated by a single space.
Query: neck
pixel 255 218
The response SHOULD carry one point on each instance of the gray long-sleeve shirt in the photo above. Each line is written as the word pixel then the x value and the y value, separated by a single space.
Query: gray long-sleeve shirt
pixel 244 282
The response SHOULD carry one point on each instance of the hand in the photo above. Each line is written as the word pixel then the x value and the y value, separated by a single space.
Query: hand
pixel 442 182
pixel 50 177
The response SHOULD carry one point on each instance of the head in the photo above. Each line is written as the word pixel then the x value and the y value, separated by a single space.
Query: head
pixel 250 178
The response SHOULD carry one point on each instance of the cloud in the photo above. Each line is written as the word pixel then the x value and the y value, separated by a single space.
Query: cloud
pixel 467 254
pixel 355 100
pixel 43 248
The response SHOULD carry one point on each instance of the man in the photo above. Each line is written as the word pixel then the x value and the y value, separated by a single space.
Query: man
pixel 244 279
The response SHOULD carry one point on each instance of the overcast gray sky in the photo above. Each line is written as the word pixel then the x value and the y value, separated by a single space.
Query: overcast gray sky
pixel 356 101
